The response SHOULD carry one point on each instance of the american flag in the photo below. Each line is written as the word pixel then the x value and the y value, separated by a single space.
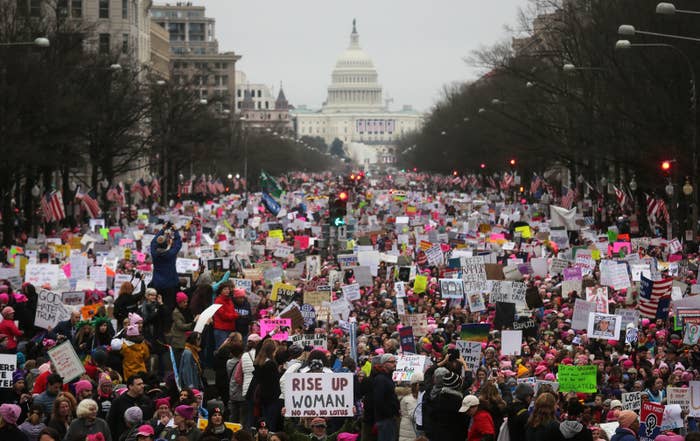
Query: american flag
pixel 89 202
pixel 116 194
pixel 220 188
pixel 535 184
pixel 200 187
pixel 185 187
pixel 651 292
pixel 211 186
pixel 52 207
pixel 657 210
pixel 621 196
pixel 567 198
pixel 492 182
pixel 507 181
pixel 155 188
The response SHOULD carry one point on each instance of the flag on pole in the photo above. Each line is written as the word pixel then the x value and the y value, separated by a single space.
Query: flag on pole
pixel 651 292
pixel 46 208
pixel 269 185
pixel 57 209
pixel 621 197
pixel 567 199
pixel 89 202
pixel 535 184
pixel 155 188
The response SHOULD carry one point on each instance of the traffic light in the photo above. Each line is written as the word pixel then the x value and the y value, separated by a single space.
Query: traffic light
pixel 666 166
pixel 338 209
pixel 512 162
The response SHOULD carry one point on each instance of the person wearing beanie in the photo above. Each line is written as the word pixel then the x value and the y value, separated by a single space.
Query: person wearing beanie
pixel 83 390
pixel 127 302
pixel 184 425
pixel 133 418
pixel 163 415
pixel 243 311
pixel 10 330
pixel 17 394
pixel 33 425
pixel 216 425
pixel 164 248
pixel 517 411
pixel 572 429
pixel 225 316
pixel 385 400
pixel 183 322
pixel 134 351
pixel 441 406
pixel 9 413
pixel 105 395
pixel 628 427
pixel 318 430
pixel 87 422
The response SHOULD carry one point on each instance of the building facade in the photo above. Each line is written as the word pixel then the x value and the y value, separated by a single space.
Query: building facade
pixel 354 110
pixel 194 52
pixel 160 51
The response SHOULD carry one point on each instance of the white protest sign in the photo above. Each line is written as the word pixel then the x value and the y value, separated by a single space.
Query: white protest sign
pixel 628 316
pixel 351 292
pixel 8 365
pixel 680 396
pixel 319 395
pixel 120 278
pixel 631 401
pixel 694 392
pixel 66 361
pixel 49 310
pixel 283 251
pixel 318 340
pixel 42 274
pixel 400 288
pixel 586 263
pixel 672 418
pixel 73 298
pixel 205 316
pixel 691 334
pixel 582 309
pixel 78 266
pixel 184 266
pixel 604 326
pixel 471 353
pixel 406 366
pixel 473 274
pixel 511 342
pixel 599 296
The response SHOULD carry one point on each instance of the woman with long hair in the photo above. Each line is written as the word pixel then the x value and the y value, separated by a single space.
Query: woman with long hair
pixel 190 365
pixel 490 399
pixel 266 377
pixel 62 413
pixel 408 404
pixel 542 424
pixel 127 301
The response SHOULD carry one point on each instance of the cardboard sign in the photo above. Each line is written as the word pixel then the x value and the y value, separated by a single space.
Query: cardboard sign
pixel 679 396
pixel 451 289
pixel 319 395
pixel 66 361
pixel 351 292
pixel 318 340
pixel 578 378
pixel 73 298
pixel 406 366
pixel 316 298
pixel 8 365
pixel 42 274
pixel 631 401
pixel 50 310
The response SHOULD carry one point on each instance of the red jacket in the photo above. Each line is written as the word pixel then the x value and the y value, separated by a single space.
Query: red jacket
pixel 225 317
pixel 9 329
pixel 482 424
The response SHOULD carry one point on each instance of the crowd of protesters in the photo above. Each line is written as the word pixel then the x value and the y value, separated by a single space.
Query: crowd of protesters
pixel 143 331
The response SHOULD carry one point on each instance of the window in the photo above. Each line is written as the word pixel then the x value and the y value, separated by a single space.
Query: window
pixel 238 104
pixel 104 8
pixel 104 43
pixel 177 31
pixel 62 8
pixel 224 65
pixel 196 32
pixel 238 93
pixel 35 8
pixel 259 93
pixel 125 43
pixel 76 8
pixel 267 105
pixel 125 9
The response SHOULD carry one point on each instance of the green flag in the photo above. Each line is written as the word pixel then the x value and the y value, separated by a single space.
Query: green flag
pixel 269 185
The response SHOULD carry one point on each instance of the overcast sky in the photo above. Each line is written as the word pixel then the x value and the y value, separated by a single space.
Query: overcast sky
pixel 417 45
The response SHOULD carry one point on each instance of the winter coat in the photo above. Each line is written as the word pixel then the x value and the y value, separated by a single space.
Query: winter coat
pixel 235 390
pixel 623 434
pixel 135 357
pixel 407 405
pixel 481 426
pixel 268 378
pixel 164 271
pixel 80 428
pixel 180 326
pixel 248 367
pixel 543 432
pixel 9 329
pixel 446 421
pixel 386 403
pixel 225 317
pixel 517 420
pixel 243 316
pixel 189 371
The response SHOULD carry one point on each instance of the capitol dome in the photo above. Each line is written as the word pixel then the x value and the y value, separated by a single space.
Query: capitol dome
pixel 354 81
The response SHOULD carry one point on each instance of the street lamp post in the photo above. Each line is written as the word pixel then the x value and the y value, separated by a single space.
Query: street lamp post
pixel 693 112
pixel 39 42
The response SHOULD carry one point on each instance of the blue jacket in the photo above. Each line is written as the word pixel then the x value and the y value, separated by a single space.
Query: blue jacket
pixel 164 272
pixel 622 434
pixel 189 371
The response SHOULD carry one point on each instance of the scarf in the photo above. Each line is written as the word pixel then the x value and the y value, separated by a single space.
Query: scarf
pixel 195 354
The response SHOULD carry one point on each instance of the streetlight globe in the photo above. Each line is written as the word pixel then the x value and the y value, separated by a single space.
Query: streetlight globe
pixel 669 189
pixel 238 176
pixel 666 8
pixel 115 66
pixel 529 84
pixel 626 30
pixel 569 67
pixel 623 45
pixel 42 42
pixel 482 110
pixel 36 191
pixel 443 133
pixel 687 187
pixel 203 101
pixel 495 101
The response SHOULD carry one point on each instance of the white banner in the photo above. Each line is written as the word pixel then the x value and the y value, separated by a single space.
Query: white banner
pixel 318 395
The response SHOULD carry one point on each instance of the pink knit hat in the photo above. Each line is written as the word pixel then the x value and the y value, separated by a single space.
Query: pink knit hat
pixel 181 297
pixel 81 386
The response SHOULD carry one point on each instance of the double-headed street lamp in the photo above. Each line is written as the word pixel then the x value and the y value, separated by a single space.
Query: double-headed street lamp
pixel 665 8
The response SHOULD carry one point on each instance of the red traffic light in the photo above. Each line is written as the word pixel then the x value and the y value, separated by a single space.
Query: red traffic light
pixel 343 196
pixel 512 162
pixel 454 173
pixel 482 165
pixel 666 165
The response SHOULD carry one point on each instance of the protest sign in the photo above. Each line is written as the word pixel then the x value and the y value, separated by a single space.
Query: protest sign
pixel 318 340
pixel 582 310
pixel 351 292
pixel 511 344
pixel 8 365
pixel 73 298
pixel 282 290
pixel 598 295
pixel 451 289
pixel 49 310
pixel 471 353
pixel 278 329
pixel 650 420
pixel 184 266
pixel 407 365
pixel 691 334
pixel 680 396
pixel 66 361
pixel 694 392
pixel 475 332
pixel 408 342
pixel 243 283
pixel 42 274
pixel 604 326
pixel 205 316
pixel 578 378
pixel 419 322
pixel 316 298
pixel 319 395
pixel 473 274
pixel 628 316
pixel 528 325
pixel 400 288
pixel 672 418
pixel 631 401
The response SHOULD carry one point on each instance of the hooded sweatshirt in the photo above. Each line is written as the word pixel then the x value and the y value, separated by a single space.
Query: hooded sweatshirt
pixel 573 430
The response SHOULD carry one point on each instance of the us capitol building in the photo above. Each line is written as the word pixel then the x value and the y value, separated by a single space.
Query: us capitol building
pixel 355 112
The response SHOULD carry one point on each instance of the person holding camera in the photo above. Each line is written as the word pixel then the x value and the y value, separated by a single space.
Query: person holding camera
pixel 164 248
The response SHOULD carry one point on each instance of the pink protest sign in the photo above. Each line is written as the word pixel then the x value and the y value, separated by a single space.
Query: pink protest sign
pixel 277 328
pixel 617 246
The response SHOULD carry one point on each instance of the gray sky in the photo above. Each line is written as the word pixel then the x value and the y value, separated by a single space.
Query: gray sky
pixel 417 45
